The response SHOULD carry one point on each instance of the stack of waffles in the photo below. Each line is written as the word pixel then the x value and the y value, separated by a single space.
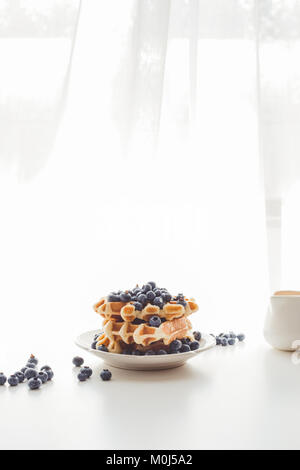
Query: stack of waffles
pixel 127 328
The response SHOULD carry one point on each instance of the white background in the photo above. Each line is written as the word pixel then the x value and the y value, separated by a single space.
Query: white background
pixel 128 157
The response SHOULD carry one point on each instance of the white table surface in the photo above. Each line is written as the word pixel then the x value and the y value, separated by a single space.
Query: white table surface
pixel 239 397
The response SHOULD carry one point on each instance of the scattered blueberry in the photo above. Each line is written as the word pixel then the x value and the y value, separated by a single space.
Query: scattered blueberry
pixel 113 298
pixel 218 340
pixel 161 352
pixel 125 297
pixel 46 368
pixel 82 377
pixel 175 345
pixel 232 335
pixel 30 373
pixel 33 360
pixel 105 374
pixel 102 348
pixel 231 341
pixel 185 348
pixel 13 380
pixel 138 306
pixel 43 376
pixel 224 342
pixel 34 383
pixel 146 288
pixel 142 298
pixel 21 376
pixel 30 365
pixel 87 371
pixel 152 284
pixel 159 302
pixel 155 321
pixel 150 295
pixel 50 374
pixel 197 335
pixel 2 378
pixel 77 361
pixel 194 345
pixel 241 337
pixel 166 296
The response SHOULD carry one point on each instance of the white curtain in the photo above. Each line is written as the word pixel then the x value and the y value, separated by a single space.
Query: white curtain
pixel 180 129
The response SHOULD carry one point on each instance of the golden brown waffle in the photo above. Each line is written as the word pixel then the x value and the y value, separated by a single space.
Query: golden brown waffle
pixel 114 333
pixel 170 311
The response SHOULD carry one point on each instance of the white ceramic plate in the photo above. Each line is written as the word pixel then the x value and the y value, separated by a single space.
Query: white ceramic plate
pixel 124 361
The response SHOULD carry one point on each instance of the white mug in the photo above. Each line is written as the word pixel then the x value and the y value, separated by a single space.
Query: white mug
pixel 282 324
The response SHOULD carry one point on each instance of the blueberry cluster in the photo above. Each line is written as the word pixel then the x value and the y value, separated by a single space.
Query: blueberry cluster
pixel 177 346
pixel 86 371
pixel 225 339
pixel 34 377
pixel 148 293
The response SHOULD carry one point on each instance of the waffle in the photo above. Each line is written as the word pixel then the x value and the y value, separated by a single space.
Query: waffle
pixel 115 333
pixel 127 311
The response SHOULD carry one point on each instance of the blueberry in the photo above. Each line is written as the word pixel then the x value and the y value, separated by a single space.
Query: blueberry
pixel 181 302
pixel 150 353
pixel 185 340
pixel 30 373
pixel 34 384
pixel 43 376
pixel 2 378
pixel 13 380
pixel 159 302
pixel 21 376
pixel 166 296
pixel 231 341
pixel 87 371
pixel 197 335
pixel 82 377
pixel 102 348
pixel 150 295
pixel 225 336
pixel 218 340
pixel 113 298
pixel 185 348
pixel 125 297
pixel 194 345
pixel 138 306
pixel 138 353
pixel 175 345
pixel 77 361
pixel 152 284
pixel 157 293
pixel 30 365
pixel 146 288
pixel 94 344
pixel 142 298
pixel 224 342
pixel 23 369
pixel 46 368
pixel 241 337
pixel 105 374
pixel 232 335
pixel 50 374
pixel 127 351
pixel 33 359
pixel 138 321
pixel 155 321
pixel 161 352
